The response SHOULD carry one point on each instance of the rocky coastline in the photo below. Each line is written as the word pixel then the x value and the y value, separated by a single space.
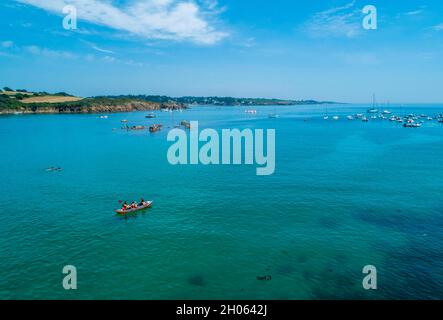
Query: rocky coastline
pixel 88 108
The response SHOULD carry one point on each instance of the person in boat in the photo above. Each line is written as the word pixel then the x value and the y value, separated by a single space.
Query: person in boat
pixel 134 205
pixel 142 202
pixel 125 206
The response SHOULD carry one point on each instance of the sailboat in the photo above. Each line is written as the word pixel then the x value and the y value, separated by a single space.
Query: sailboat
pixel 386 112
pixel 373 109
pixel 326 117
pixel 274 115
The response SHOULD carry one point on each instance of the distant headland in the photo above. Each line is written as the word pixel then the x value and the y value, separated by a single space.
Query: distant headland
pixel 21 101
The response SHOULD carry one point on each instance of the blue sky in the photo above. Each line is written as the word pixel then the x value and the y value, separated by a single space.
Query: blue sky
pixel 307 49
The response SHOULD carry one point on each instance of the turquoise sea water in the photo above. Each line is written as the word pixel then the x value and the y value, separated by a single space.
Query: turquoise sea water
pixel 345 194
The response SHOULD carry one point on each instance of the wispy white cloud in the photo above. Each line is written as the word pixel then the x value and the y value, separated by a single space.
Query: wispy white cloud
pixel 8 48
pixel 130 62
pixel 342 21
pixel 48 53
pixel 109 59
pixel 414 13
pixel 249 42
pixel 358 58
pixel 7 55
pixel 6 44
pixel 179 20
pixel 102 50
pixel 97 48
pixel 13 50
pixel 438 27
pixel 89 57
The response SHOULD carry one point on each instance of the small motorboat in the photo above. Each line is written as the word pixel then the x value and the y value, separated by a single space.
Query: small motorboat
pixel 185 124
pixel 412 124
pixel 136 128
pixel 150 116
pixel 155 128
pixel 139 208
pixel 336 118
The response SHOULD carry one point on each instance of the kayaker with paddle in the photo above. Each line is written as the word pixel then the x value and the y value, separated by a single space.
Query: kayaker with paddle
pixel 133 207
pixel 125 206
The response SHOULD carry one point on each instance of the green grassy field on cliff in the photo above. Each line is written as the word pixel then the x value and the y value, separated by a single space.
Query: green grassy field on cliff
pixel 24 101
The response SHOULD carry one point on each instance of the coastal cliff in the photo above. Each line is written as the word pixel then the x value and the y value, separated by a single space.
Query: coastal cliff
pixel 86 106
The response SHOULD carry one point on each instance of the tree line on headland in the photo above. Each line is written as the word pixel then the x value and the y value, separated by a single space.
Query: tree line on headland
pixel 219 101
pixel 23 101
